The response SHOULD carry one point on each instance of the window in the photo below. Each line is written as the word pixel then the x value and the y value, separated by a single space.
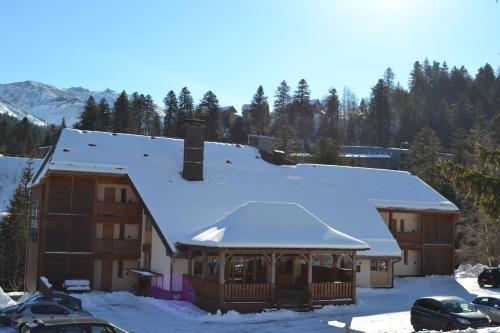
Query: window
pixel 402 225
pixel 123 196
pixel 120 268
pixel 378 265
pixel 73 329
pixel 358 268
pixel 197 265
pixel 122 232
pixel 285 266
pixel 54 309
pixel 39 309
pixel 102 329
pixel 213 265
pixel 405 257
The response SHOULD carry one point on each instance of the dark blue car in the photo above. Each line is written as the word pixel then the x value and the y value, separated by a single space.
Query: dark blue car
pixel 446 313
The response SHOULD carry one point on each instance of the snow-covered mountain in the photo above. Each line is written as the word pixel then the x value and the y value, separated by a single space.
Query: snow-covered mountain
pixel 46 104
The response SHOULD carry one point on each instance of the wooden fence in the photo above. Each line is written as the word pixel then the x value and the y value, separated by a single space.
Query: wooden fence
pixel 331 290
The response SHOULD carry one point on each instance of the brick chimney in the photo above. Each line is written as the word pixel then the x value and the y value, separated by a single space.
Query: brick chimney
pixel 194 145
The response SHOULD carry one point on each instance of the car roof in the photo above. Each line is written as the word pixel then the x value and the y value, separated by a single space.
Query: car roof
pixel 441 298
pixel 43 303
pixel 71 320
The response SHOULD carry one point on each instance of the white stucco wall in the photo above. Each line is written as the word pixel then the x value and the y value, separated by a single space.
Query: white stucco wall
pixel 131 231
pixel 160 262
pixel 412 221
pixel 118 188
pixel 96 284
pixel 412 268
pixel 125 282
pixel 363 277
pixel 180 268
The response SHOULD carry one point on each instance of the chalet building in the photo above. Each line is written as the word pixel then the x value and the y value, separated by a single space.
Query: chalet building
pixel 216 224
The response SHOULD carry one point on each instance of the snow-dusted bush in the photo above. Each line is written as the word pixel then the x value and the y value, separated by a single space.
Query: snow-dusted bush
pixel 469 271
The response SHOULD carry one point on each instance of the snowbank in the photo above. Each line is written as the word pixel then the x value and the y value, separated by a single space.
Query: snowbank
pixel 469 271
pixel 5 299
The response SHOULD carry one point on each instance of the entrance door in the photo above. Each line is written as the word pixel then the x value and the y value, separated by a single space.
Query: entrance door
pixel 380 275
pixel 106 274
pixel 291 287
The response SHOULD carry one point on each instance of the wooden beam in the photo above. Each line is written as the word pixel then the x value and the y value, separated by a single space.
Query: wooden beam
pixel 222 274
pixel 309 280
pixel 204 265
pixel 273 278
pixel 354 273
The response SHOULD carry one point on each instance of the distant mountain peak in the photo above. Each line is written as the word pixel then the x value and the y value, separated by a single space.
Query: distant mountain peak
pixel 45 104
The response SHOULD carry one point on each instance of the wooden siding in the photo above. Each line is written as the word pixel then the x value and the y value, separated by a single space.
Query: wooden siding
pixel 248 292
pixel 331 290
pixel 67 244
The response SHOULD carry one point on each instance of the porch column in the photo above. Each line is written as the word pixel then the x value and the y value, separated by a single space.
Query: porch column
pixel 204 265
pixel 354 273
pixel 222 276
pixel 309 279
pixel 273 277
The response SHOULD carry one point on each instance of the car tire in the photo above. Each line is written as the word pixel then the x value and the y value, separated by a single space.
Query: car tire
pixel 481 285
pixel 416 328
pixel 20 328
pixel 449 327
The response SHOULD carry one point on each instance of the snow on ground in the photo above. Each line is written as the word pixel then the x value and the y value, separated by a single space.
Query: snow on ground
pixel 5 299
pixel 378 310
pixel 10 172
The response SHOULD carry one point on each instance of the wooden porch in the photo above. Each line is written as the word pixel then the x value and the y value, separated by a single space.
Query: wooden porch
pixel 250 280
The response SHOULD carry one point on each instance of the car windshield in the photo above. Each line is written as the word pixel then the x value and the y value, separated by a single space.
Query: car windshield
pixel 458 306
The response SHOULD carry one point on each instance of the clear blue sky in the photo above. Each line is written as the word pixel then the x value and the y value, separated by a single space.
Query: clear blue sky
pixel 232 46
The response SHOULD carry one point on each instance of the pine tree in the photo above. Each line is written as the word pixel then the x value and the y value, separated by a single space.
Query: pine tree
pixel 151 119
pixel 13 234
pixel 282 101
pixel 423 157
pixel 103 116
pixel 237 131
pixel 259 113
pixel 63 123
pixel 171 115
pixel 301 116
pixel 121 114
pixel 186 111
pixel 379 115
pixel 88 118
pixel 327 152
pixel 286 140
pixel 136 113
pixel 208 109
pixel 329 126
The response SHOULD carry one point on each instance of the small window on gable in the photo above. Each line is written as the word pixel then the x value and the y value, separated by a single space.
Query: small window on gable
pixel 402 225
pixel 405 257
pixel 123 196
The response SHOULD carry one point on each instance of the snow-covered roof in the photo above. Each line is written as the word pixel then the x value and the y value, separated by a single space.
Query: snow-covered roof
pixel 345 198
pixel 272 225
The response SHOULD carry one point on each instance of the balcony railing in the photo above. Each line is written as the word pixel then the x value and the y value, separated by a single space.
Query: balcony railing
pixel 117 246
pixel 408 237
pixel 118 209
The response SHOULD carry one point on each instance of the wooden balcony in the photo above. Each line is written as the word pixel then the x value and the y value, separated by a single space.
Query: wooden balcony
pixel 117 246
pixel 123 209
pixel 408 237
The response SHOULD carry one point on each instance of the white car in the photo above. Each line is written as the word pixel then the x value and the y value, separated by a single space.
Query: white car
pixel 29 312
pixel 490 306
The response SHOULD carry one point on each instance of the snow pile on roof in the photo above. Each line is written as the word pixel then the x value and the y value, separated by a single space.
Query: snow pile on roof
pixel 273 225
pixel 469 271
pixel 5 299
pixel 10 172
pixel 342 197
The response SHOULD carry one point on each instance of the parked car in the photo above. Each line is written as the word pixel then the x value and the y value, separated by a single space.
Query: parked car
pixel 57 297
pixel 490 306
pixel 28 312
pixel 489 276
pixel 73 325
pixel 446 313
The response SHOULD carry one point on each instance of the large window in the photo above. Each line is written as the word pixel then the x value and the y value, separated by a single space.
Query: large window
pixel 378 265
pixel 71 195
